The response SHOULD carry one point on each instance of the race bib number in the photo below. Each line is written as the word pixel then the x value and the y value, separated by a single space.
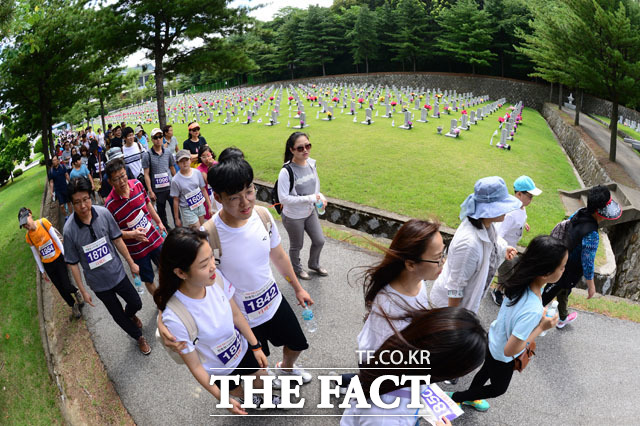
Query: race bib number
pixel 161 180
pixel 439 404
pixel 140 221
pixel 99 166
pixel 195 198
pixel 97 253
pixel 260 301
pixel 229 350
pixel 47 250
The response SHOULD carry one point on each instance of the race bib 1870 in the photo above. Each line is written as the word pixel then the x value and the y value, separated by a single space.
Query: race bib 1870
pixel 47 250
pixel 97 253
pixel 161 180
pixel 229 350
pixel 260 301
pixel 195 198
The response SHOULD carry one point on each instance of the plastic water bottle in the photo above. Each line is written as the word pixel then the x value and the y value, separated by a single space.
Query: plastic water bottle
pixel 163 233
pixel 320 207
pixel 137 282
pixel 551 312
pixel 309 320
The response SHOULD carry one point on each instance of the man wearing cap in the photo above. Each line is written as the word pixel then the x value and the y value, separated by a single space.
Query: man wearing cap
pixel 159 168
pixel 582 242
pixel 511 228
pixel 48 253
pixel 91 237
pixel 194 142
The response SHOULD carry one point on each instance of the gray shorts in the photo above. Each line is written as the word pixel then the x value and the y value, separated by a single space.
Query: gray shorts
pixel 190 217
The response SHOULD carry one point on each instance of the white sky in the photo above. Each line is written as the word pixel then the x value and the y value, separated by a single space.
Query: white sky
pixel 264 14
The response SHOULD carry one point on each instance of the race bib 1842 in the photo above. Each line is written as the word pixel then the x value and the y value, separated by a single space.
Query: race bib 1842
pixel 260 301
pixel 229 350
pixel 97 253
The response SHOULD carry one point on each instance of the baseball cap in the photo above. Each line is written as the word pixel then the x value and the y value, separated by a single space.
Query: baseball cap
pixel 525 184
pixel 490 199
pixel 155 131
pixel 138 129
pixel 611 211
pixel 183 153
pixel 114 153
pixel 23 215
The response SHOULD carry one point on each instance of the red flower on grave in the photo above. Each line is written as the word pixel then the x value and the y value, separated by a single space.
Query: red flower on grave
pixel 500 119
pixel 508 116
pixel 464 112
pixel 335 99
pixel 360 100
pixel 427 107
pixel 290 98
pixel 270 98
pixel 394 103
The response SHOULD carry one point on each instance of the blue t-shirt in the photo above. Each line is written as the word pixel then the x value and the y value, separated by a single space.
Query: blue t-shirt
pixel 83 172
pixel 518 320
pixel 59 179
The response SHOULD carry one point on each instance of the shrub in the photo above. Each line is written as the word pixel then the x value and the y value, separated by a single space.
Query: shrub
pixel 17 172
pixel 38 146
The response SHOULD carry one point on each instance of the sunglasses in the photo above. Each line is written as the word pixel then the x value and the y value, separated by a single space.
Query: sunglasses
pixel 302 148
pixel 157 137
pixel 195 129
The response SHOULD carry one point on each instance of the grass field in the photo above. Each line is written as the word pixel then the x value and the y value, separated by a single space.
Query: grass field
pixel 417 172
pixel 27 395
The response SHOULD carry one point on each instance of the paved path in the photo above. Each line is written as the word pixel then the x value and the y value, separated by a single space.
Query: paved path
pixel 626 157
pixel 585 374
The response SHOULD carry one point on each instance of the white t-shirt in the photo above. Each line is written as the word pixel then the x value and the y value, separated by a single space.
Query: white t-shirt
pixel 132 158
pixel 376 329
pixel 220 344
pixel 372 416
pixel 511 227
pixel 245 261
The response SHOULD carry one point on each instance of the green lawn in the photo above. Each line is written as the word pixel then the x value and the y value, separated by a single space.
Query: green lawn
pixel 415 172
pixel 27 395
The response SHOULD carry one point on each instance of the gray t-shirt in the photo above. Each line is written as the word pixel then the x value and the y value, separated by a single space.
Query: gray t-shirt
pixel 172 144
pixel 304 180
pixel 187 187
pixel 159 168
pixel 95 251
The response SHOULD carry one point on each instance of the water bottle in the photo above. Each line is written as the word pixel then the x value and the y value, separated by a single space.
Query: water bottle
pixel 551 312
pixel 137 282
pixel 309 320
pixel 320 207
pixel 163 233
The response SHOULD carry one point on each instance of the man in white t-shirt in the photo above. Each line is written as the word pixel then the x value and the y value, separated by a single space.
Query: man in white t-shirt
pixel 511 228
pixel 247 243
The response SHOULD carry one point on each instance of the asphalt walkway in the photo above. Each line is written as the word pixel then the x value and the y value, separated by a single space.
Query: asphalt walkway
pixel 585 374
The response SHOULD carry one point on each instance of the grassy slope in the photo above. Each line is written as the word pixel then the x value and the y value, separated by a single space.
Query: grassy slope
pixel 27 395
pixel 416 172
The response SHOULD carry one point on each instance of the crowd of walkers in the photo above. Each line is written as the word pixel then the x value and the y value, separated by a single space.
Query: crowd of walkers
pixel 221 308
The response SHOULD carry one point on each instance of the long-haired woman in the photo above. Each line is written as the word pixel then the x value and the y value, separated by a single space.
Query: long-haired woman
pixel 299 203
pixel 225 344
pixel 521 319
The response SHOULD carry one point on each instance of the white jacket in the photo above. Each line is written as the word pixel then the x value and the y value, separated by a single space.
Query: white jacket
pixel 296 206
pixel 467 267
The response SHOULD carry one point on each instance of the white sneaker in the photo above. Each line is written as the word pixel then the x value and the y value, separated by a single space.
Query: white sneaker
pixel 259 401
pixel 569 319
pixel 277 383
pixel 295 371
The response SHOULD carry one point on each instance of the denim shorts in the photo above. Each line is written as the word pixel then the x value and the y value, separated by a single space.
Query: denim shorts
pixel 146 269
pixel 190 217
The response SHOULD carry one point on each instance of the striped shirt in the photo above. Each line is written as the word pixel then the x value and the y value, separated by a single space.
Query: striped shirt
pixel 131 213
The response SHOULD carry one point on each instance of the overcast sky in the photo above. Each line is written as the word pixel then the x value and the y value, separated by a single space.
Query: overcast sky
pixel 264 14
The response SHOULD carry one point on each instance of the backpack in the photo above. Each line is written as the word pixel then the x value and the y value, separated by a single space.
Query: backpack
pixel 275 199
pixel 187 320
pixel 561 231
pixel 214 238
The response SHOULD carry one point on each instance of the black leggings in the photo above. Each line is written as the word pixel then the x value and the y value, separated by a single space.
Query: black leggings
pixel 59 276
pixel 122 317
pixel 498 372
pixel 161 207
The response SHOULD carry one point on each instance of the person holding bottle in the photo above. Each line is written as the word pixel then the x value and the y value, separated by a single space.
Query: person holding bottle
pixel 301 203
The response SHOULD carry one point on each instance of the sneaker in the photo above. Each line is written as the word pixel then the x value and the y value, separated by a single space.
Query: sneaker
pixel 75 311
pixel 478 404
pixel 79 298
pixel 143 345
pixel 497 297
pixel 277 383
pixel 570 318
pixel 295 371
pixel 320 271
pixel 259 401
pixel 136 321
pixel 304 275
pixel 451 382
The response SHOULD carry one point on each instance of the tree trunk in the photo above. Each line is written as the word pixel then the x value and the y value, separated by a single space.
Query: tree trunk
pixel 159 73
pixel 473 68
pixel 560 96
pixel 43 121
pixel 614 130
pixel 366 61
pixel 104 127
pixel 578 108
pixel 414 64
pixel 324 73
pixel 551 92
pixel 50 127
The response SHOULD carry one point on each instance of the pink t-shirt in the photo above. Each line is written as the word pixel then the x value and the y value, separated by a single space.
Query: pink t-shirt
pixel 204 169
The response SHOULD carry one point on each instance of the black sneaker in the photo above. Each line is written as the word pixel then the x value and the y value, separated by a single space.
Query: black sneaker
pixel 75 311
pixel 79 298
pixel 497 297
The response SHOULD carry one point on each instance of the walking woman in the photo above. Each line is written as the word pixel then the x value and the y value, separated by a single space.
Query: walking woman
pixel 521 319
pixel 226 344
pixel 207 159
pixel 299 200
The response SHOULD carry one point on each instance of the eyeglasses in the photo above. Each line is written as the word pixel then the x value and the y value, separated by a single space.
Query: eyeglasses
pixel 156 137
pixel 302 148
pixel 440 262
pixel 249 194
pixel 195 129
pixel 81 201
pixel 120 178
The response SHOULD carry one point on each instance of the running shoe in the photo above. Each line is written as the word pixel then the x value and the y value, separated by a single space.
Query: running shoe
pixel 478 404
pixel 450 395
pixel 570 318
pixel 75 310
pixel 295 371
pixel 259 401
pixel 497 297
pixel 79 298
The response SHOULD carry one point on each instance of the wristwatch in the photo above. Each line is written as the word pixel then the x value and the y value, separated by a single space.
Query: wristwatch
pixel 255 347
